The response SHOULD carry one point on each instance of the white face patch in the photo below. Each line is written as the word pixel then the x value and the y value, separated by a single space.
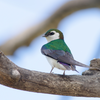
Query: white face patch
pixel 53 37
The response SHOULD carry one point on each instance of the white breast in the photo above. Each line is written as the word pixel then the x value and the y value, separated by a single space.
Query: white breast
pixel 56 64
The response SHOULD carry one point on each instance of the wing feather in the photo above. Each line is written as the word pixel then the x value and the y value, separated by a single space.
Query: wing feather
pixel 62 56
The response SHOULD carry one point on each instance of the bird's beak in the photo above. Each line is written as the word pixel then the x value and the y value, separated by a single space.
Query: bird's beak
pixel 43 36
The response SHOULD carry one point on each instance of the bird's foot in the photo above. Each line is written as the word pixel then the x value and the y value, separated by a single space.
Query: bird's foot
pixel 51 69
pixel 52 73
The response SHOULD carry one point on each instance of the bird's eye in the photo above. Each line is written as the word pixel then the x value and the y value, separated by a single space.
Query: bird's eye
pixel 52 33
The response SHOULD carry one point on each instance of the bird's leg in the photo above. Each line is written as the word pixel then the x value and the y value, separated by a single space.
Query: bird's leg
pixel 51 69
pixel 64 72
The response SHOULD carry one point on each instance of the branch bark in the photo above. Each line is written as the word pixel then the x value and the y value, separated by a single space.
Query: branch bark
pixel 28 35
pixel 87 85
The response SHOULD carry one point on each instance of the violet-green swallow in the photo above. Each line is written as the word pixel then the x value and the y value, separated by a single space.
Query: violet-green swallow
pixel 58 53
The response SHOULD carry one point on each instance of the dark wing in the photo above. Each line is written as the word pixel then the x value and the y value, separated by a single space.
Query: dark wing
pixel 62 56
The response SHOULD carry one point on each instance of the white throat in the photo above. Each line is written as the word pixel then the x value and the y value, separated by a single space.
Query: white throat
pixel 53 37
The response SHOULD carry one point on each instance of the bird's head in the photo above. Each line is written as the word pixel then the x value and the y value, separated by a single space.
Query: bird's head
pixel 53 34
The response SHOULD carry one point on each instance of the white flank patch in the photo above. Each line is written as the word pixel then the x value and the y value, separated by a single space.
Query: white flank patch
pixel 56 64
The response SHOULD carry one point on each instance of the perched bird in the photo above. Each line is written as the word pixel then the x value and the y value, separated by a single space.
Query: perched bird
pixel 58 53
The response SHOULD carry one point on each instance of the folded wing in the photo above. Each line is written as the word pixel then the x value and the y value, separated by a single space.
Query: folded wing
pixel 62 56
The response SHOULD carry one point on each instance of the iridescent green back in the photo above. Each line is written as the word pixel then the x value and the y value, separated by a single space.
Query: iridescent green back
pixel 58 44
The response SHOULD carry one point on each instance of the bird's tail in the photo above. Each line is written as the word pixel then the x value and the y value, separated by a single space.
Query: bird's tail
pixel 80 64
pixel 73 67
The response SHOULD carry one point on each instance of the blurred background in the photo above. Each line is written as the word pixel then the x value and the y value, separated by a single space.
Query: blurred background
pixel 22 24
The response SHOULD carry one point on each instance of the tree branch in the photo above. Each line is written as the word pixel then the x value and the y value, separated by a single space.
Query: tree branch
pixel 13 76
pixel 28 35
